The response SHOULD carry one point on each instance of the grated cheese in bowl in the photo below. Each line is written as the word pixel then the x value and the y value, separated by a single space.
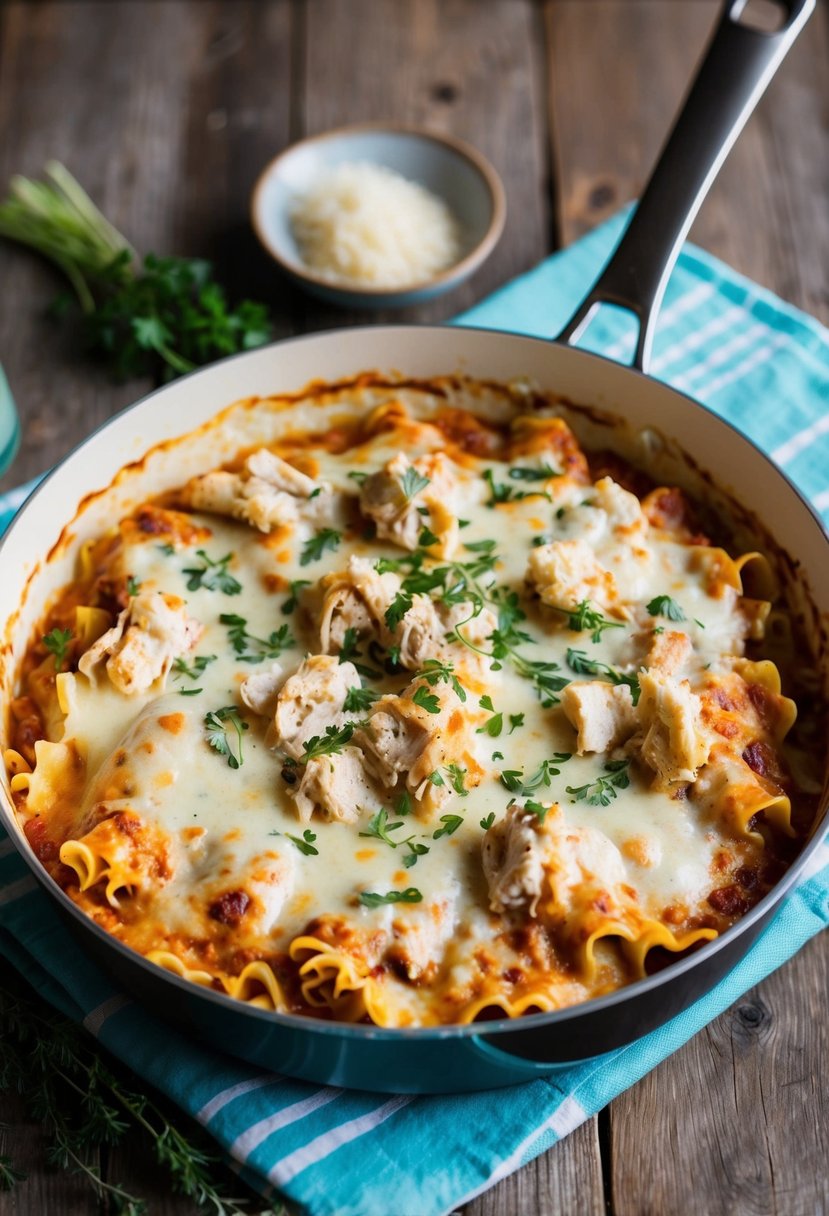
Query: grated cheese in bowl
pixel 364 224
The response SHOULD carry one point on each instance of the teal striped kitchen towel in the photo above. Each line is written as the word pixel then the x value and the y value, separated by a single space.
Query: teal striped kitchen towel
pixel 330 1152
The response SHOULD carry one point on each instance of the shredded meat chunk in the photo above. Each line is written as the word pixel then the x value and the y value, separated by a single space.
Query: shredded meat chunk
pixel 673 741
pixel 566 572
pixel 338 786
pixel 267 494
pixel 311 700
pixel 141 646
pixel 602 713
pixel 512 853
pixel 396 513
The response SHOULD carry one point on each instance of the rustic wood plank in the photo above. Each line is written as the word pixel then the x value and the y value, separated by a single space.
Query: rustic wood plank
pixel 458 66
pixel 43 1190
pixel 566 1179
pixel 766 212
pixel 736 1121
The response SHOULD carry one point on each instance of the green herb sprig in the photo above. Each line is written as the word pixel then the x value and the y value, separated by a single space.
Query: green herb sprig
pixel 57 642
pixel 251 649
pixel 160 318
pixel 216 723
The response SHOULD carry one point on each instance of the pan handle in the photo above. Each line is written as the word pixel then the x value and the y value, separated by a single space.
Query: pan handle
pixel 735 70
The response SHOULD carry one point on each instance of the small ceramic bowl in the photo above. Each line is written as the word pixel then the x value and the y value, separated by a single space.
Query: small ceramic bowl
pixel 451 169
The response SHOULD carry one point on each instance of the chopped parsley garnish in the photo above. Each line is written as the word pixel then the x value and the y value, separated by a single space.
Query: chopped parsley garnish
pixel 451 823
pixel 603 790
pixel 250 649
pixel 663 605
pixel 457 776
pixel 586 618
pixel 189 692
pixel 329 744
pixel 515 720
pixel 133 585
pixel 215 725
pixel 500 492
pixel 417 850
pixel 379 827
pixel 427 538
pixel 412 483
pixel 357 700
pixel 436 778
pixel 369 899
pixel 494 725
pixel 578 661
pixel 435 672
pixel 522 473
pixel 212 575
pixel 291 602
pixel 403 806
pixel 513 778
pixel 306 844
pixel 426 700
pixel 397 609
pixel 324 540
pixel 358 476
pixel 488 821
pixel 193 670
pixel 167 549
pixel 537 809
pixel 57 642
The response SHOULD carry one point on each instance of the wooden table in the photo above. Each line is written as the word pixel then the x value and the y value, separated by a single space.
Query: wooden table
pixel 166 110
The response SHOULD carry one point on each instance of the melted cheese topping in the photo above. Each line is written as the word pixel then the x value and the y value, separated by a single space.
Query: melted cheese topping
pixel 409 723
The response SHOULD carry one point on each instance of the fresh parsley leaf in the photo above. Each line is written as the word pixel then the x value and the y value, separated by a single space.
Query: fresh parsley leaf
pixel 403 806
pixel 216 723
pixel 457 776
pixel 427 538
pixel 323 540
pixel 586 618
pixel 426 700
pixel 451 823
pixel 513 779
pixel 357 700
pixel 537 809
pixel 329 744
pixel 291 602
pixel 412 483
pixel 57 642
pixel 501 492
pixel 397 609
pixel 212 575
pixel 193 670
pixel 436 672
pixel 250 649
pixel 417 850
pixel 358 476
pixel 603 790
pixel 167 549
pixel 578 661
pixel 492 727
pixel 488 821
pixel 350 652
pixel 523 473
pixel 133 585
pixel 189 692
pixel 543 677
pixel 306 844
pixel 379 828
pixel 515 720
pixel 369 899
pixel 663 605
pixel 436 778
pixel 497 755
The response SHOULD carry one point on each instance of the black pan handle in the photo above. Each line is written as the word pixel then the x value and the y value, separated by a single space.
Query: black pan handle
pixel 736 68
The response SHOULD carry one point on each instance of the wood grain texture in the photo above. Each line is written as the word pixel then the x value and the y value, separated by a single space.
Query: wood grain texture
pixel 460 66
pixel 43 1191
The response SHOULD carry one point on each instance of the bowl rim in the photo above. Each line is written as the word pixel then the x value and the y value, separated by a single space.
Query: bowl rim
pixel 459 269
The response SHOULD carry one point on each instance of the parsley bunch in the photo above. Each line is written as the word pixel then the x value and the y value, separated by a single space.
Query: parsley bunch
pixel 162 317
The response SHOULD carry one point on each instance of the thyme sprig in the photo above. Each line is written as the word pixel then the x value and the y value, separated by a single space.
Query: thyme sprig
pixel 87 1104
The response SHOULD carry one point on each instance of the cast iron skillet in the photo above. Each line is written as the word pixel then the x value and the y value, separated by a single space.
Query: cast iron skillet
pixel 739 63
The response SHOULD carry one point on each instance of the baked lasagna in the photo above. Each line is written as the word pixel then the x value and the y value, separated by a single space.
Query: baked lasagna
pixel 411 710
